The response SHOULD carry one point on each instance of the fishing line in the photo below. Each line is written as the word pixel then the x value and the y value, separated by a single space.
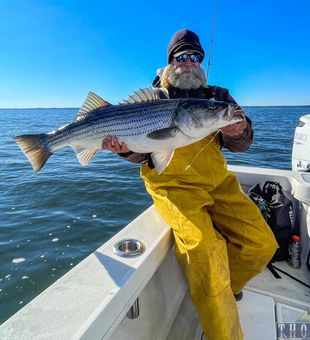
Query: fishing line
pixel 198 153
pixel 207 75
pixel 212 39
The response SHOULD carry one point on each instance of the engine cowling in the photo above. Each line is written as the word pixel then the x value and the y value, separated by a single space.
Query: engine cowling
pixel 301 145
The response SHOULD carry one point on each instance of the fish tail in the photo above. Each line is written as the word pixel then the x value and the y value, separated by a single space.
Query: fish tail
pixel 32 147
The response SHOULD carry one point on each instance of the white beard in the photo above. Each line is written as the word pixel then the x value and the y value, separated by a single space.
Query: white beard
pixel 181 78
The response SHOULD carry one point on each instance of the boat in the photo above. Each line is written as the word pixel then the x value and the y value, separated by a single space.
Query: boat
pixel 132 288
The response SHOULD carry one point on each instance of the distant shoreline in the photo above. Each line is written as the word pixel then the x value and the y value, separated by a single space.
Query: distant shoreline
pixel 77 108
pixel 40 108
pixel 258 106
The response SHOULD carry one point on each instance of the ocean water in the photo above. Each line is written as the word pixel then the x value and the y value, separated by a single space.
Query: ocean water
pixel 52 220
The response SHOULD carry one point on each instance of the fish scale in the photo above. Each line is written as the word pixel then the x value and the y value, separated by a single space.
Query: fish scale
pixel 137 117
pixel 139 122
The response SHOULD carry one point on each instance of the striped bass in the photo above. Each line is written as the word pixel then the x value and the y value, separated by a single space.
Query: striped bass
pixel 143 122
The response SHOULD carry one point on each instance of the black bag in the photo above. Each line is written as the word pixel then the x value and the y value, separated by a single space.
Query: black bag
pixel 277 210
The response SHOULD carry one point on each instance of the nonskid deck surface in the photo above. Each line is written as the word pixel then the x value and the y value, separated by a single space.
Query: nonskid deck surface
pixel 284 289
pixel 265 302
pixel 256 312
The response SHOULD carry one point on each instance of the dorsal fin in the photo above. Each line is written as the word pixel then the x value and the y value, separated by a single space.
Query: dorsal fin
pixel 141 96
pixel 91 103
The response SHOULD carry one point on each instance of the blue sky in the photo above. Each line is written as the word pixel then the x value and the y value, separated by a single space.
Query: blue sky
pixel 54 52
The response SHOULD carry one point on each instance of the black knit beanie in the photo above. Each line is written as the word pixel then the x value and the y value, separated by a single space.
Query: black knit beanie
pixel 184 40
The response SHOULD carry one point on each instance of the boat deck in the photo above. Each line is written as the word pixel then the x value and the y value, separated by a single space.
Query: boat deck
pixel 266 301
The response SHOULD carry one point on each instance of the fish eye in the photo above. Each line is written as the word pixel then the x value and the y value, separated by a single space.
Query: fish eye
pixel 212 107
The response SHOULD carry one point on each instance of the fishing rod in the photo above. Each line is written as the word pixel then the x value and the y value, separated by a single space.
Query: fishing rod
pixel 212 40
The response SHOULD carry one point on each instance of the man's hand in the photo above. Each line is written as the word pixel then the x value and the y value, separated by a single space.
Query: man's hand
pixel 113 144
pixel 234 129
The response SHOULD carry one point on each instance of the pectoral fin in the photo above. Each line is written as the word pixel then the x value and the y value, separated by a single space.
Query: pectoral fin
pixel 165 133
pixel 161 159
pixel 84 155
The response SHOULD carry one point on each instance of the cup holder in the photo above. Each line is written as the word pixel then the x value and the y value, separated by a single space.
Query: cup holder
pixel 128 248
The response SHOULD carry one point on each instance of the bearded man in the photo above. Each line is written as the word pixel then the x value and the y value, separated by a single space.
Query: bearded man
pixel 222 241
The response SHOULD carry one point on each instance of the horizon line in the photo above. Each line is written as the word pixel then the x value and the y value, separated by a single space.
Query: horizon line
pixel 78 107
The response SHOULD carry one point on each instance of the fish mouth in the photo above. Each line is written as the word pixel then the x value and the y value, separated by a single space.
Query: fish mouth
pixel 234 113
pixel 238 116
pixel 231 110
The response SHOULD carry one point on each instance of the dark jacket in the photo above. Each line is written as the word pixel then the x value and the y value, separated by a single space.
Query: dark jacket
pixel 234 144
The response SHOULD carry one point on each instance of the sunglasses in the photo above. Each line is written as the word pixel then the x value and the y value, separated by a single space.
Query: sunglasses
pixel 194 58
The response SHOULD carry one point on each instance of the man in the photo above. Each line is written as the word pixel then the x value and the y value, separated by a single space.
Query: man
pixel 222 241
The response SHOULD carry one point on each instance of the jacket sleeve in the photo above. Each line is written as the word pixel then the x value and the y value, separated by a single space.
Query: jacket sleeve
pixel 243 141
pixel 135 157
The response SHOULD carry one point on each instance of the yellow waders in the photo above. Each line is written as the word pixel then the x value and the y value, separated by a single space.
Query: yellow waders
pixel 215 263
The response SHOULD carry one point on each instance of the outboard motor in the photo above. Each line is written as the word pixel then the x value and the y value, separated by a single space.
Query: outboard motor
pixel 301 145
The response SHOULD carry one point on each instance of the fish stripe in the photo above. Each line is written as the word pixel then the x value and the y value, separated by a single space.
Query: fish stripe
pixel 137 117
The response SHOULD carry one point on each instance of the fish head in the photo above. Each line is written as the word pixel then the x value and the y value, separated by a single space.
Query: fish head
pixel 200 117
